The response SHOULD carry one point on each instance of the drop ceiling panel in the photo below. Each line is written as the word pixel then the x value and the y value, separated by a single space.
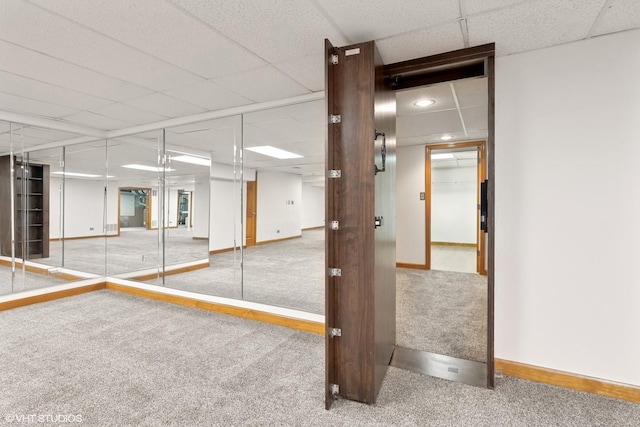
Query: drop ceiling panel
pixel 552 22
pixel 308 70
pixel 440 93
pixel 97 121
pixel 471 92
pixel 376 19
pixel 431 41
pixel 33 89
pixel 162 30
pixel 76 44
pixel 479 6
pixel 30 106
pixel 47 135
pixel 426 124
pixel 129 114
pixel 164 105
pixel 475 118
pixel 263 84
pixel 622 15
pixel 208 95
pixel 276 30
pixel 44 68
pixel 223 123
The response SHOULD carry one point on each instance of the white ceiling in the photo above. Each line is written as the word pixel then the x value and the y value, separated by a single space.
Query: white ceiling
pixel 114 64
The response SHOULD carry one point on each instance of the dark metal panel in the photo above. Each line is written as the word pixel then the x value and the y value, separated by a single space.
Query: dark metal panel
pixel 491 193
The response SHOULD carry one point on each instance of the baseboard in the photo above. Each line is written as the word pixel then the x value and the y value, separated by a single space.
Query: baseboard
pixel 266 242
pixel 50 296
pixel 568 380
pixel 95 236
pixel 46 271
pixel 464 245
pixel 221 251
pixel 246 313
pixel 313 228
pixel 407 265
pixel 150 276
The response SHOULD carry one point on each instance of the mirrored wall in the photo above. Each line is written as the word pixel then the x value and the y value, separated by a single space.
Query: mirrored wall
pixel 231 207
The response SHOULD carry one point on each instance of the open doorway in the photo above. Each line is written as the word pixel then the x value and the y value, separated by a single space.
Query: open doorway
pixel 185 207
pixel 455 240
pixel 134 208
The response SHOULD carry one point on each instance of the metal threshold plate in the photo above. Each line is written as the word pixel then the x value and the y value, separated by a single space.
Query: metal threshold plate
pixel 440 366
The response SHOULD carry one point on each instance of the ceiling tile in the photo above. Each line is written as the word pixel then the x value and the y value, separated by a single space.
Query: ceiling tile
pixel 97 121
pixel 162 30
pixel 61 38
pixel 475 118
pixel 441 93
pixel 275 30
pixel 440 122
pixel 164 105
pixel 30 106
pixel 417 44
pixel 308 70
pixel 553 22
pixel 128 114
pixel 479 6
pixel 621 15
pixel 41 67
pixel 471 92
pixel 208 95
pixel 377 19
pixel 263 84
pixel 29 88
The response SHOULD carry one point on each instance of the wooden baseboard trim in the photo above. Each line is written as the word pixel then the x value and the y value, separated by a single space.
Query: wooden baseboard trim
pixel 407 265
pixel 266 242
pixel 568 380
pixel 464 245
pixel 221 251
pixel 313 228
pixel 44 271
pixel 50 296
pixel 298 324
pixel 150 276
pixel 200 238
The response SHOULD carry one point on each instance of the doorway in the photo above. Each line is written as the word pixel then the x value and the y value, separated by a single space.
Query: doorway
pixel 252 213
pixel 185 207
pixel 454 235
pixel 134 208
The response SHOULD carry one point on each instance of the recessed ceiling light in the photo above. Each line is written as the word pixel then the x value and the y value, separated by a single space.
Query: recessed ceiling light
pixel 446 137
pixel 424 102
pixel 442 156
pixel 193 160
pixel 147 168
pixel 268 150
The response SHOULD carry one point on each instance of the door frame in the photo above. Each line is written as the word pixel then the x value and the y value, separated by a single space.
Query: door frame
pixel 480 177
pixel 147 190
pixel 478 61
pixel 252 198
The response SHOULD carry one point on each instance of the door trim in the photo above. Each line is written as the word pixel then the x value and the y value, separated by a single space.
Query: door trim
pixel 481 176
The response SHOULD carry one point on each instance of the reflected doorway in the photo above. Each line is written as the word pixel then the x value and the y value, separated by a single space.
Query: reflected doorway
pixel 252 213
pixel 134 210
pixel 185 208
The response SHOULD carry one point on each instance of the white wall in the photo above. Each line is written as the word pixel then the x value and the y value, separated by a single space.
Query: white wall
pixel 277 218
pixel 225 227
pixel 201 207
pixel 84 213
pixel 410 225
pixel 312 206
pixel 454 204
pixel 567 274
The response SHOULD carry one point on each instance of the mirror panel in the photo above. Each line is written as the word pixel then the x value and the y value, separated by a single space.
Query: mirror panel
pixel 284 265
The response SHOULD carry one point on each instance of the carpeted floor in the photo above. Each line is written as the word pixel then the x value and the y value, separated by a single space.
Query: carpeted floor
pixel 24 280
pixel 118 360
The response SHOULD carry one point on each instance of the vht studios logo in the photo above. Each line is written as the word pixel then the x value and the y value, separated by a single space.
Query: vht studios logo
pixel 43 418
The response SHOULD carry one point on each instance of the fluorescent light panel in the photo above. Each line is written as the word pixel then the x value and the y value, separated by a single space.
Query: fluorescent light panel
pixel 442 156
pixel 192 159
pixel 270 151
pixel 147 168
pixel 80 175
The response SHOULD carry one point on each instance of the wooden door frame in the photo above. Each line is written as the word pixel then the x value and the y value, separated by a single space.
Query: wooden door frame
pixel 255 203
pixel 471 62
pixel 480 146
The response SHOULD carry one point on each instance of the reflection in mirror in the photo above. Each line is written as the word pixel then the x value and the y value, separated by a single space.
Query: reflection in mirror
pixel 216 204
pixel 284 259
pixel 26 215
pixel 134 212
pixel 442 283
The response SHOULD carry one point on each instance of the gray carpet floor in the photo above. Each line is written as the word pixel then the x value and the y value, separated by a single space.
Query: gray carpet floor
pixel 24 280
pixel 118 360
